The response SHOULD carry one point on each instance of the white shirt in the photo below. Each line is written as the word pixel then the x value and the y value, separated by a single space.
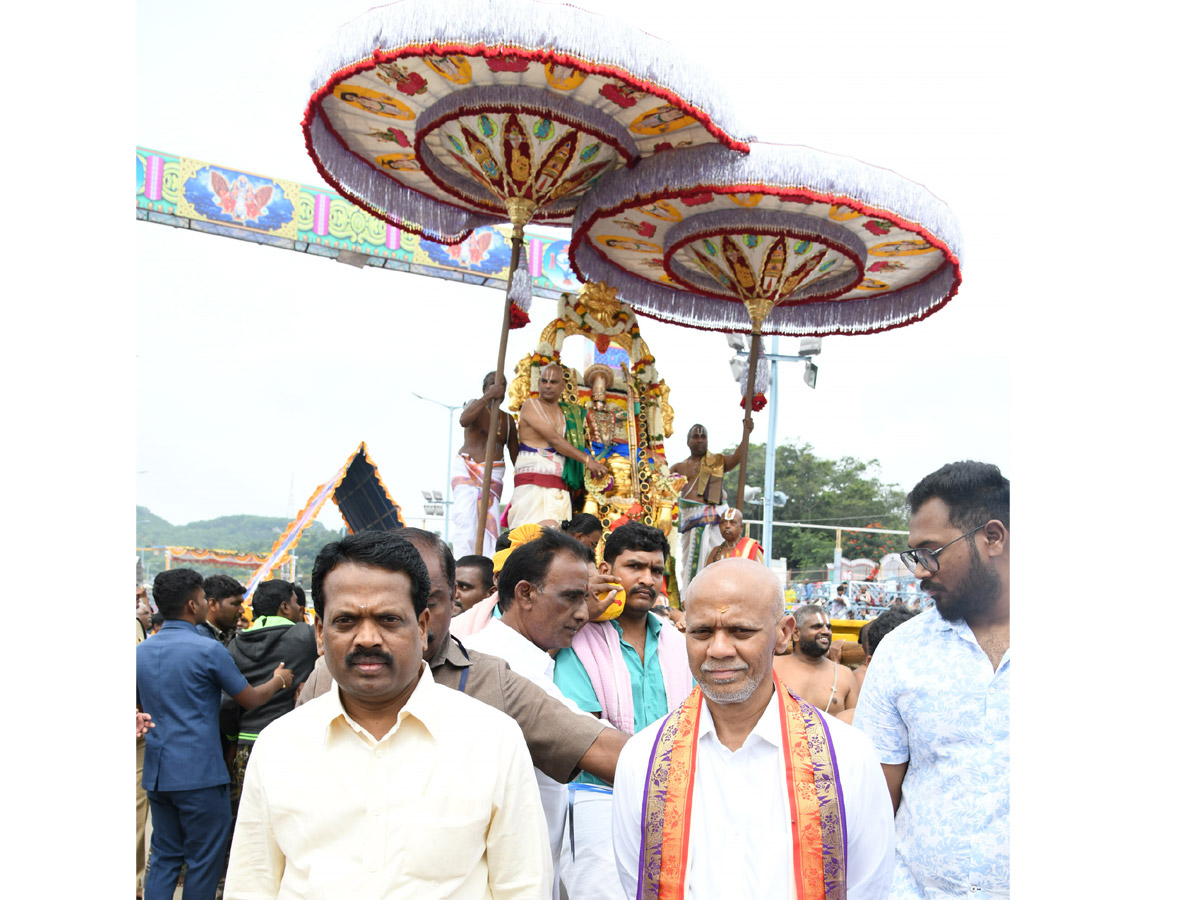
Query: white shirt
pixel 740 825
pixel 527 659
pixel 327 811
pixel 522 655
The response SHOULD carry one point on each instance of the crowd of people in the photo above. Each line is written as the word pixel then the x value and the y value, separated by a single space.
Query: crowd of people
pixel 715 746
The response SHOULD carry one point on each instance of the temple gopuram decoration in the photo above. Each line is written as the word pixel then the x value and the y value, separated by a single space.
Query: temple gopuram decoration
pixel 628 410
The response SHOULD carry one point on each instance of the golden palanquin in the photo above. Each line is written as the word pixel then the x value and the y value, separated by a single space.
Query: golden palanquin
pixel 637 410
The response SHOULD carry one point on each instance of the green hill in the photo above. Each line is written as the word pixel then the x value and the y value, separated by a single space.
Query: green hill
pixel 243 534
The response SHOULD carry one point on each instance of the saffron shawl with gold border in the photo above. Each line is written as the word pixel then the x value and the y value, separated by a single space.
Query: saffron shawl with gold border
pixel 814 801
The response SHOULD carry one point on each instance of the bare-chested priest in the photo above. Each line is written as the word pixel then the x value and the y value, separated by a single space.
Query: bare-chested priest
pixel 540 493
pixel 734 545
pixel 467 481
pixel 829 686
pixel 701 503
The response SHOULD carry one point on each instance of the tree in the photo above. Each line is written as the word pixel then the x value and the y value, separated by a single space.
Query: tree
pixel 845 491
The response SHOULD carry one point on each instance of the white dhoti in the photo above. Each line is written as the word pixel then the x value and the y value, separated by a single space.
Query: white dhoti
pixel 466 482
pixel 699 533
pixel 554 805
pixel 540 492
pixel 588 863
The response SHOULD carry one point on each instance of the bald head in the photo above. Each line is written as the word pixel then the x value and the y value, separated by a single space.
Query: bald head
pixel 730 526
pixel 551 383
pixel 735 627
pixel 747 577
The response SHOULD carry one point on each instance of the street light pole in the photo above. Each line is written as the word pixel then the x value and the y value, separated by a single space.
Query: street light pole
pixel 450 408
pixel 809 347
pixel 769 471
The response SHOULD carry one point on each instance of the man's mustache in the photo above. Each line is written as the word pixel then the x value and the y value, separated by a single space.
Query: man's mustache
pixel 723 667
pixel 369 656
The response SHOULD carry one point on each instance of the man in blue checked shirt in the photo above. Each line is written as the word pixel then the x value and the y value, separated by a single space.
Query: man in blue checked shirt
pixel 935 702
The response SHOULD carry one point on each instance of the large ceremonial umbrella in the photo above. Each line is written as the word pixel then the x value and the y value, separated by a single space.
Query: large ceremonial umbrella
pixel 783 240
pixel 443 116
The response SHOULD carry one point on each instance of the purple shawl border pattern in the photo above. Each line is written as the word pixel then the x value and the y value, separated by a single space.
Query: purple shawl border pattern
pixel 648 869
pixel 828 783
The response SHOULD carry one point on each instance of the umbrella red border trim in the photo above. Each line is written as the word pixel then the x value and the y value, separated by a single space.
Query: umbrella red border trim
pixel 544 56
pixel 816 196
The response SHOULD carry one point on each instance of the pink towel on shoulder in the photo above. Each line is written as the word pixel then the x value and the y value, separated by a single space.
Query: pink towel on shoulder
pixel 672 659
pixel 598 646
pixel 474 619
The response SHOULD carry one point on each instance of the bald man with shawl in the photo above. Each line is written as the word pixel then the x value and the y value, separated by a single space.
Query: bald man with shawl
pixel 745 790
pixel 552 455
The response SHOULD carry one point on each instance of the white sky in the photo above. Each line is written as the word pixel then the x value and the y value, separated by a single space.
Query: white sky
pixel 306 357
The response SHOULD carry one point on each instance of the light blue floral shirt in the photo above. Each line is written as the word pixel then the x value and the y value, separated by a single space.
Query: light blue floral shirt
pixel 932 699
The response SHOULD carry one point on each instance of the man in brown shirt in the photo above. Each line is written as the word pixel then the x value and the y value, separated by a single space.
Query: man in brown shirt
pixel 560 742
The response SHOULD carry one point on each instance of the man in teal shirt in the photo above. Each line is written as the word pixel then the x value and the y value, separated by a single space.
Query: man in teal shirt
pixel 631 671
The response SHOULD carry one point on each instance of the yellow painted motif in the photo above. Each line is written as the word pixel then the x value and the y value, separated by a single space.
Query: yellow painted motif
pixel 564 78
pixel 843 213
pixel 747 200
pixel 661 120
pixel 374 102
pixel 661 210
pixel 619 242
pixel 902 248
pixel 455 68
pixel 399 162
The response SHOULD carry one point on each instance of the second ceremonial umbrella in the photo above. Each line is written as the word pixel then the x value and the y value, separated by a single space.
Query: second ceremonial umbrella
pixel 783 240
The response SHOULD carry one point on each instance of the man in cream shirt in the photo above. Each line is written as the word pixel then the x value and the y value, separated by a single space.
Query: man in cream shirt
pixel 784 801
pixel 378 789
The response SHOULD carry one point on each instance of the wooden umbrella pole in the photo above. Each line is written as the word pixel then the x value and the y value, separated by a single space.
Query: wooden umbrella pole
pixel 759 308
pixel 520 214
pixel 741 491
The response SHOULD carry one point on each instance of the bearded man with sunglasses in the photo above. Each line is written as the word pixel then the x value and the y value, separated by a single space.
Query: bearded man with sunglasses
pixel 936 701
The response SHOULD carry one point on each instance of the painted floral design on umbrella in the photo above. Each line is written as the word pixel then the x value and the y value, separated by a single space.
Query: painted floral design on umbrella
pixel 502 103
pixel 774 241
